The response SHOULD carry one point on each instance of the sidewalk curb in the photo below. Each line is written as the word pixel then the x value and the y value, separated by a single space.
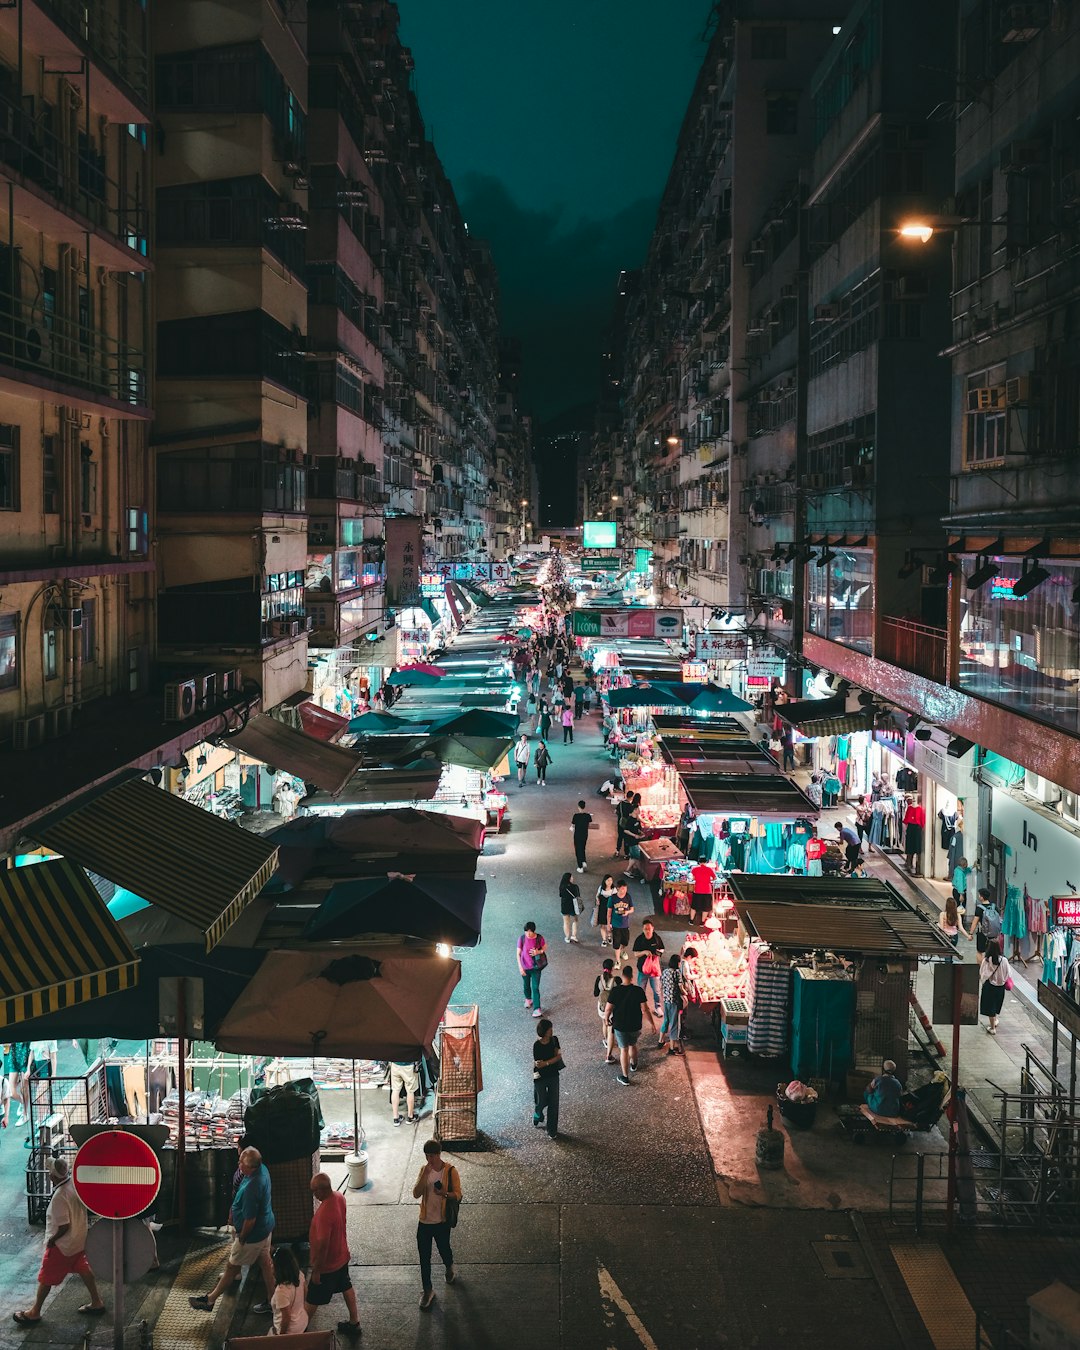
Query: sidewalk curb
pixel 900 1321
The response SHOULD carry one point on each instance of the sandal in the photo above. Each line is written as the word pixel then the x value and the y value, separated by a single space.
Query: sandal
pixel 25 1321
pixel 90 1310
pixel 201 1303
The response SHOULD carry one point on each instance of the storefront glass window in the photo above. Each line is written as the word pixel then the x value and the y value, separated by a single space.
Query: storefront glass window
pixel 1024 650
pixel 840 597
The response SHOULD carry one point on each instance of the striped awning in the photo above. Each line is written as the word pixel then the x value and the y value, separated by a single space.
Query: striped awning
pixel 193 864
pixel 327 766
pixel 61 946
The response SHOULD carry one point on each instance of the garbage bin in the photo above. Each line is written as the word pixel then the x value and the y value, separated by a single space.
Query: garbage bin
pixel 356 1164
pixel 800 1114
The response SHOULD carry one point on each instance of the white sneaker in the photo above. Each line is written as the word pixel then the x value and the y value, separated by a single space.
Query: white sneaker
pixel 538 1012
pixel 581 869
pixel 566 939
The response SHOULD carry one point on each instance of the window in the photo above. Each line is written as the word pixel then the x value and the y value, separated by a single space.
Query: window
pixel 9 468
pixel 840 597
pixel 768 44
pixel 781 114
pixel 50 481
pixel 49 651
pixel 9 651
pixel 985 419
pixel 87 481
pixel 137 532
pixel 248 345
pixel 88 632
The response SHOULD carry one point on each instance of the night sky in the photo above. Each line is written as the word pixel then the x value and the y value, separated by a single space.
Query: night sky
pixel 557 123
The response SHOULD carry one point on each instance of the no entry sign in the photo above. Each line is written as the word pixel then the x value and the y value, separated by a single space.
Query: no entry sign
pixel 116 1175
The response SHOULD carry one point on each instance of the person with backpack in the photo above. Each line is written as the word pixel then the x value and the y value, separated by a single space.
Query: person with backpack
pixel 649 945
pixel 438 1188
pixel 673 994
pixel 542 759
pixel 604 983
pixel 986 926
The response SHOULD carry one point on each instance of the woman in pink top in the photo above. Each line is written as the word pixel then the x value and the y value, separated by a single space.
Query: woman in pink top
pixel 532 958
pixel 287 1300
pixel 567 719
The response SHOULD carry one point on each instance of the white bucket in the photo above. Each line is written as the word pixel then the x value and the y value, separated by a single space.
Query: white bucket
pixel 357 1166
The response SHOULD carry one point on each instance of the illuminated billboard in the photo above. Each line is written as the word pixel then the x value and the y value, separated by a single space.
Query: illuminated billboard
pixel 599 534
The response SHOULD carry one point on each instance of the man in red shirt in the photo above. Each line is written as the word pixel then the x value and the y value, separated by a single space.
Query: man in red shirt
pixel 701 900
pixel 330 1255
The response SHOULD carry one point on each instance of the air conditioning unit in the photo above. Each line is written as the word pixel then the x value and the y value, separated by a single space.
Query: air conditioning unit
pixel 27 732
pixel 1021 155
pixel 1018 391
pixel 284 628
pixel 826 313
pixel 230 682
pixel 989 399
pixel 75 619
pixel 179 701
pixel 206 690
pixel 58 721
pixel 1022 23
pixel 855 475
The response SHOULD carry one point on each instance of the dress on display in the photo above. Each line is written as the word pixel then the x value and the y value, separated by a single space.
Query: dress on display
pixel 1014 920
pixel 1038 920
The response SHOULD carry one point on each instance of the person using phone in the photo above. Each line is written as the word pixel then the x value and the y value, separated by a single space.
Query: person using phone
pixel 438 1181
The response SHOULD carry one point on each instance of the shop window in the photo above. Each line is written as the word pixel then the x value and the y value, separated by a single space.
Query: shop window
pixel 9 651
pixel 88 632
pixel 137 532
pixel 9 468
pixel 781 114
pixel 49 656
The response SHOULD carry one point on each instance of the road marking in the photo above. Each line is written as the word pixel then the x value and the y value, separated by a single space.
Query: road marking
pixel 611 1293
pixel 90 1175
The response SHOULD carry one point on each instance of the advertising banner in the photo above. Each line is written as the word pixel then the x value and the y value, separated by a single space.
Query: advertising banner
pixel 599 534
pixel 718 646
pixel 644 623
pixel 403 543
pixel 473 571
pixel 592 560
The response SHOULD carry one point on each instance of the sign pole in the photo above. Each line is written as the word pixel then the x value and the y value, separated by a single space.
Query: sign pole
pixel 957 991
pixel 118 1282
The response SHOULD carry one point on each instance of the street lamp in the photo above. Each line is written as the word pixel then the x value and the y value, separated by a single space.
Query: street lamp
pixel 921 229
pixel 524 505
pixel 916 231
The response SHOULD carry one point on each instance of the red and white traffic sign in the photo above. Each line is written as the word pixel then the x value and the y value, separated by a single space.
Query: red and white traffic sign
pixel 116 1175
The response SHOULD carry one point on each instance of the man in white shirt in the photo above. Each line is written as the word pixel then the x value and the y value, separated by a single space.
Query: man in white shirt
pixel 65 1247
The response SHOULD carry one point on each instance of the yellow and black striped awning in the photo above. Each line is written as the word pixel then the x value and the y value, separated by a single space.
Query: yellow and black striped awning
pixel 61 946
pixel 175 855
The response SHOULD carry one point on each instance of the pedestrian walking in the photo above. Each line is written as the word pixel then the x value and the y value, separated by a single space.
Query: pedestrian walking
pixel 329 1242
pixel 532 958
pixel 288 1299
pixel 587 699
pixel 66 1225
pixel 543 722
pixel 622 909
pixel 566 717
pixel 569 906
pixel 649 945
pixel 252 1221
pixel 864 814
pixel 625 1007
pixel 579 700
pixel 404 1077
pixel 542 759
pixel 604 983
pixel 995 977
pixel 601 915
pixel 949 920
pixel 789 750
pixel 580 823
pixel 623 811
pixel 522 752
pixel 986 926
pixel 437 1184
pixel 548 1063
pixel 673 995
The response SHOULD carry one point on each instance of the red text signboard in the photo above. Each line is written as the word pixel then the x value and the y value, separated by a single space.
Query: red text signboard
pixel 1067 910
pixel 116 1175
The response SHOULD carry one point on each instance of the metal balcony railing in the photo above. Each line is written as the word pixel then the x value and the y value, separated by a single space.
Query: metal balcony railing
pixel 95 24
pixel 913 646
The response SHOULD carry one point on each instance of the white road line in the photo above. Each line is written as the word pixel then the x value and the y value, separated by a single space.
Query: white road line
pixel 87 1175
pixel 611 1293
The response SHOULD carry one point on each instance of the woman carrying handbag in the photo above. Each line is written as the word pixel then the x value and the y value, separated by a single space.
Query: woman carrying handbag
pixel 569 906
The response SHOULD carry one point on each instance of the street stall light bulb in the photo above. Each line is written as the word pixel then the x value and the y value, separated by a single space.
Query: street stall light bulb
pixel 442 949
pixel 917 231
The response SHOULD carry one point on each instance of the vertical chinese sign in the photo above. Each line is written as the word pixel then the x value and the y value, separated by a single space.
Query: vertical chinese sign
pixel 403 559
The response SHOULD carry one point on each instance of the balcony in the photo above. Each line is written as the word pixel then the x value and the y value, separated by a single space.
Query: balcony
pixel 342 483
pixel 917 647
pixel 64 191
pixel 245 479
pixel 233 213
pixel 44 351
pixel 68 32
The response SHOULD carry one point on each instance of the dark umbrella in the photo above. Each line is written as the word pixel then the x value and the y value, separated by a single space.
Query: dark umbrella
pixel 643 696
pixel 470 752
pixel 437 909
pixel 420 678
pixel 475 722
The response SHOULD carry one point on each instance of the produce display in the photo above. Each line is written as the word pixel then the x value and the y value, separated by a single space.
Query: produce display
pixel 719 969
pixel 659 817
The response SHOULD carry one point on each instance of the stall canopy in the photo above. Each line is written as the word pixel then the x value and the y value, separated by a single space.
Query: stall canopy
pixel 643 696
pixel 476 722
pixel 747 794
pixel 173 854
pixel 321 723
pixel 705 757
pixel 437 909
pixel 403 839
pixel 327 766
pixel 423 668
pixel 844 928
pixel 379 1003
pixel 421 679
pixel 783 889
pixel 370 787
pixel 812 717
pixel 380 723
pixel 61 946
pixel 470 752
pixel 705 728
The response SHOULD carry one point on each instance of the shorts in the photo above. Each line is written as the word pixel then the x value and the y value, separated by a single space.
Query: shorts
pixel 56 1267
pixel 245 1254
pixel 620 937
pixel 701 904
pixel 331 1282
pixel 407 1078
pixel 625 1039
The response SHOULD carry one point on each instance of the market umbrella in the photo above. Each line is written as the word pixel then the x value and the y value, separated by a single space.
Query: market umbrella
pixel 643 696
pixel 469 752
pixel 424 667
pixel 476 722
pixel 709 698
pixel 374 1002
pixel 437 909
pixel 370 722
pixel 419 678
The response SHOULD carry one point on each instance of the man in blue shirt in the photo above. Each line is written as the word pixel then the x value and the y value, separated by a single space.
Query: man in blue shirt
pixel 852 845
pixel 252 1219
pixel 884 1094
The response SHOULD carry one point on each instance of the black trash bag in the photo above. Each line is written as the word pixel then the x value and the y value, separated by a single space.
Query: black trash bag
pixel 285 1122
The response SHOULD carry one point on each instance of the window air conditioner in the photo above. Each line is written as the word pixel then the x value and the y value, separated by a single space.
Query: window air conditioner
pixel 988 399
pixel 179 701
pixel 206 687
pixel 1018 391
pixel 27 732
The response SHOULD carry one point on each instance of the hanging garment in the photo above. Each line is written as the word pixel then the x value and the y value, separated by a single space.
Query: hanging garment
pixel 796 856
pixel 843 747
pixel 770 994
pixel 1014 920
pixel 1037 913
pixel 774 834
pixel 948 827
pixel 956 848
pixel 1054 957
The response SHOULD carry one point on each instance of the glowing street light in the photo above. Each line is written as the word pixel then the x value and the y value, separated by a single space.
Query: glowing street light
pixel 916 231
